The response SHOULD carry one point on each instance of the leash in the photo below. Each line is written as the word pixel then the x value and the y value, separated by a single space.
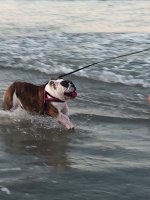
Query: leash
pixel 108 59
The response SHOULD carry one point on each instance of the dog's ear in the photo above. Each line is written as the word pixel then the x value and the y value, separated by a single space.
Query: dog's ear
pixel 52 84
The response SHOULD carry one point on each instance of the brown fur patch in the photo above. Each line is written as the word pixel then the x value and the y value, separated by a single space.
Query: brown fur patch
pixel 31 97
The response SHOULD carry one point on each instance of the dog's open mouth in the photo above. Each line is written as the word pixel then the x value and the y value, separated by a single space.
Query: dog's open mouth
pixel 71 94
pixel 70 90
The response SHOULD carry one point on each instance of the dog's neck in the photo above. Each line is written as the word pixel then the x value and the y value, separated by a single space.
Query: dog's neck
pixel 56 93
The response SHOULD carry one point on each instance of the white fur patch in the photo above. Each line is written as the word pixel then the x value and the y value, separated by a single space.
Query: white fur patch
pixel 60 106
pixel 16 101
pixel 58 92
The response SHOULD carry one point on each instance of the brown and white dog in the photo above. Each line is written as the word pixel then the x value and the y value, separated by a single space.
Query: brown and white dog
pixel 47 99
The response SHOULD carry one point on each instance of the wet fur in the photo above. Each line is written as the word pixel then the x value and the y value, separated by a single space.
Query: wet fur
pixel 31 98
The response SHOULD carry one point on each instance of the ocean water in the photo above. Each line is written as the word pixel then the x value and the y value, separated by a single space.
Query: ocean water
pixel 107 157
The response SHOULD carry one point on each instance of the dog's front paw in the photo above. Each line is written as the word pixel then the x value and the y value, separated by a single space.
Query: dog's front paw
pixel 64 120
pixel 69 126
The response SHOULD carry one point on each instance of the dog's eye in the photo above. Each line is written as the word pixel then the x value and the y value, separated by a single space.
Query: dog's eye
pixel 65 84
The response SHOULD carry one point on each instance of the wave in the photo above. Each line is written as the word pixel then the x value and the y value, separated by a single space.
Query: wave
pixel 110 119
pixel 60 53
pixel 103 76
pixel 21 117
pixel 111 77
pixel 20 114
pixel 52 69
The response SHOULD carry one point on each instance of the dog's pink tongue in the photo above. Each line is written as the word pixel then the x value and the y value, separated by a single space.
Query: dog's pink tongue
pixel 74 94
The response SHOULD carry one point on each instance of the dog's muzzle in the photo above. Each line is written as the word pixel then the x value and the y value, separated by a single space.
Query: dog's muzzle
pixel 72 95
pixel 71 89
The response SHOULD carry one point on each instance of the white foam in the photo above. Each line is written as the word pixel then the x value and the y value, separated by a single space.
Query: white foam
pixel 112 77
pixel 10 169
pixel 20 115
pixel 17 115
pixel 5 190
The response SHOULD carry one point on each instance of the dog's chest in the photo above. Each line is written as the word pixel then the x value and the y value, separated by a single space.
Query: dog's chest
pixel 59 105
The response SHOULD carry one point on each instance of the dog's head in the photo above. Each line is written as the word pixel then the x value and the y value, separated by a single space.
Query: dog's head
pixel 62 89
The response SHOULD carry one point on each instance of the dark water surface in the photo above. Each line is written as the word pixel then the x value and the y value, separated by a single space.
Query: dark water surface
pixel 107 157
